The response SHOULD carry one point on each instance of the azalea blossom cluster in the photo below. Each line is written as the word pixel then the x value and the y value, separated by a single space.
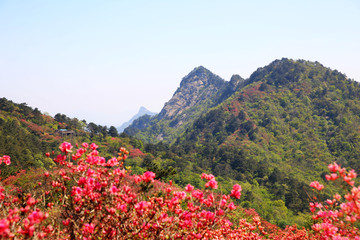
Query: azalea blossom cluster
pixel 336 217
pixel 23 217
pixel 89 197
pixel 212 183
pixel 5 159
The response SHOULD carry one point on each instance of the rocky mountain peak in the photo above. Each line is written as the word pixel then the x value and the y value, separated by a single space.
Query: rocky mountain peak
pixel 197 73
pixel 235 81
pixel 195 88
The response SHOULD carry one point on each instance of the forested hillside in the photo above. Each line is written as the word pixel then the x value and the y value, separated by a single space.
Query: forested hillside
pixel 26 134
pixel 283 127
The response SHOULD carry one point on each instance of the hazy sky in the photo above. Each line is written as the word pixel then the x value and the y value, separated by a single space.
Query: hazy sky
pixel 102 60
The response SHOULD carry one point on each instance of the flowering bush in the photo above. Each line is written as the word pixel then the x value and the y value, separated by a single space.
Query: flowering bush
pixel 336 218
pixel 89 197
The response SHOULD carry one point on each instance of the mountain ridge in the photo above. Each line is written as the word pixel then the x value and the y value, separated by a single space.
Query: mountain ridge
pixel 288 122
pixel 198 91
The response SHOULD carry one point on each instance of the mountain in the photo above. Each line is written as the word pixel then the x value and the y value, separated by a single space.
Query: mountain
pixel 273 132
pixel 199 91
pixel 142 111
pixel 289 121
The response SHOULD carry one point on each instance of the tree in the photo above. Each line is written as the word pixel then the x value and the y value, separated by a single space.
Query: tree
pixel 92 128
pixel 113 131
pixel 60 117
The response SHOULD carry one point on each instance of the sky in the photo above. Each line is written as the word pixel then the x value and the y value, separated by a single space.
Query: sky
pixel 101 60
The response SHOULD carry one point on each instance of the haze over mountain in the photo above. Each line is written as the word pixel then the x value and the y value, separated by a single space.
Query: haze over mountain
pixel 142 111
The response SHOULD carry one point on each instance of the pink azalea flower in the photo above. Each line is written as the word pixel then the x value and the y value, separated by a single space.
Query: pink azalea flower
pixel 93 146
pixel 113 189
pixel 65 147
pixel 317 185
pixel 212 183
pixel 189 188
pixel 6 160
pixel 148 176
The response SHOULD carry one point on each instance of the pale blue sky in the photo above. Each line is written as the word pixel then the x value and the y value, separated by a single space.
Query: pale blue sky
pixel 102 60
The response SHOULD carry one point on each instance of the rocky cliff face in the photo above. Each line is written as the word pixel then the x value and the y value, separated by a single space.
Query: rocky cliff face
pixel 198 86
pixel 199 91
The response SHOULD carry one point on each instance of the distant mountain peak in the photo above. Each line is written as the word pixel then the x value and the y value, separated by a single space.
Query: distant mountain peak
pixel 142 111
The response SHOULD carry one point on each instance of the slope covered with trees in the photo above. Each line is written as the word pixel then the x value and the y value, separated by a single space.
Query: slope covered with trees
pixel 291 119
pixel 278 130
pixel 26 134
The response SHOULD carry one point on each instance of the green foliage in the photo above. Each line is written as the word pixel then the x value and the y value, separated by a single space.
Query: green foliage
pixel 161 172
